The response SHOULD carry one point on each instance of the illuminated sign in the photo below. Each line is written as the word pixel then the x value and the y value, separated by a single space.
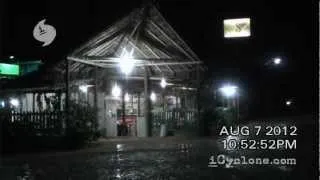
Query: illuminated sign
pixel 9 69
pixel 236 28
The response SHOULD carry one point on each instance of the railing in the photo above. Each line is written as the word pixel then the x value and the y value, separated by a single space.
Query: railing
pixel 39 122
pixel 175 119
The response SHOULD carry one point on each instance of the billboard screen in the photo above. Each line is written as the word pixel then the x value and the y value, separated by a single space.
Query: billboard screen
pixel 236 28
pixel 9 69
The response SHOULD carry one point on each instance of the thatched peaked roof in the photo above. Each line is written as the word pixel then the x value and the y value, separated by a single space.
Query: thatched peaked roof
pixel 154 43
pixel 147 33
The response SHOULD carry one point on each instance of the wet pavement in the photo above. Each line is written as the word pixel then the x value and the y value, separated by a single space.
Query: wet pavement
pixel 154 158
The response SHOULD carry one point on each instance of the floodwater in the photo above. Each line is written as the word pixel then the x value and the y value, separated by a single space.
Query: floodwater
pixel 158 159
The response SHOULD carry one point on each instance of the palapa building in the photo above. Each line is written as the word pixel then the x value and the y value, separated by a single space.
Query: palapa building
pixel 137 72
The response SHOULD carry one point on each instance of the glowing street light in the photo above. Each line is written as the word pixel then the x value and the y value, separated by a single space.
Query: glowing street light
pixel 276 61
pixel 153 97
pixel 126 62
pixel 229 90
pixel 163 83
pixel 14 102
pixel 116 91
pixel 288 103
pixel 11 57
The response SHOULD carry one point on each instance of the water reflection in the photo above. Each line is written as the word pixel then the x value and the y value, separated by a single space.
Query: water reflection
pixel 118 173
pixel 120 147
pixel 181 161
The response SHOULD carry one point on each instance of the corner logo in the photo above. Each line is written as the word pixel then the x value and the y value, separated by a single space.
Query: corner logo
pixel 44 33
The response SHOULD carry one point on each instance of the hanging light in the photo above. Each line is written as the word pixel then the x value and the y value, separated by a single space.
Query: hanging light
pixel 163 83
pixel 126 62
pixel 126 97
pixel 116 91
pixel 153 97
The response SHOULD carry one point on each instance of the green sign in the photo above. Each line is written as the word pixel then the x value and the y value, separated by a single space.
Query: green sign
pixel 9 69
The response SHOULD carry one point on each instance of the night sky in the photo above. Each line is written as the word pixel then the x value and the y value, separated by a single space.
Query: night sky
pixel 279 29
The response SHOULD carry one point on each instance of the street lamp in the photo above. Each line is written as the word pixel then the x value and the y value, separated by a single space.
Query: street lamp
pixel 276 61
pixel 11 57
pixel 126 62
pixel 288 102
pixel 229 90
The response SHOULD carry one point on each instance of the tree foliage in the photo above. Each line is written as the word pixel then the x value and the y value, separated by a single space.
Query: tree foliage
pixel 82 125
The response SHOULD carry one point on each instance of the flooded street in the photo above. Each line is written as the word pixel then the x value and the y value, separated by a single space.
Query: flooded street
pixel 156 158
pixel 185 161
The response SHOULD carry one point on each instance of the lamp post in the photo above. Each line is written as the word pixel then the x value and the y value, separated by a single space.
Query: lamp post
pixel 230 92
pixel 273 64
